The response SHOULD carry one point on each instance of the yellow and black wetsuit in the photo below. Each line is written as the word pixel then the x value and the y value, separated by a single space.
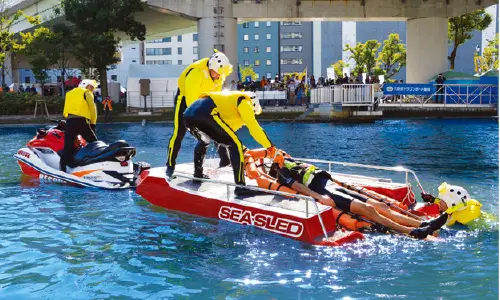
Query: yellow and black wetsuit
pixel 193 81
pixel 81 114
pixel 216 117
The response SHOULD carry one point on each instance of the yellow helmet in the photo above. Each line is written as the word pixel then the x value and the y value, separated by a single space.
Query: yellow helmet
pixel 220 64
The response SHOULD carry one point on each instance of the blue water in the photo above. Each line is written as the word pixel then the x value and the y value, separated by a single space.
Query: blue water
pixel 62 242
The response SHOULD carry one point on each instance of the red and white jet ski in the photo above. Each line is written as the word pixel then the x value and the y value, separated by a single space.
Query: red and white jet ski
pixel 96 164
pixel 294 216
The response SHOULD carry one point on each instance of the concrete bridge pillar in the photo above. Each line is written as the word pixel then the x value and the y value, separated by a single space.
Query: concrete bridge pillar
pixel 217 29
pixel 427 48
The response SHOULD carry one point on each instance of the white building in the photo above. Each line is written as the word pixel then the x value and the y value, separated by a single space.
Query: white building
pixel 177 50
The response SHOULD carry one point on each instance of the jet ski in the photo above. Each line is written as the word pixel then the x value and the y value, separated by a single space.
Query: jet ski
pixel 96 164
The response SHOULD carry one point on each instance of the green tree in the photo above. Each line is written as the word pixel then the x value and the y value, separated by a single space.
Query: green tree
pixel 392 57
pixel 490 53
pixel 10 41
pixel 364 55
pixel 38 51
pixel 460 30
pixel 338 67
pixel 96 22
pixel 247 71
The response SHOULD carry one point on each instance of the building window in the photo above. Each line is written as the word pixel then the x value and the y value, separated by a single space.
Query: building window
pixel 268 75
pixel 291 48
pixel 256 36
pixel 291 61
pixel 195 50
pixel 245 49
pixel 245 37
pixel 268 36
pixel 167 40
pixel 167 51
pixel 256 24
pixel 179 38
pixel 168 62
pixel 291 35
pixel 256 50
pixel 195 37
pixel 257 75
pixel 257 62
pixel 27 79
pixel 268 62
pixel 194 59
pixel 179 62
pixel 268 49
pixel 245 25
pixel 134 60
pixel 179 50
pixel 114 77
pixel 246 63
pixel 268 24
pixel 155 51
pixel 291 23
pixel 133 48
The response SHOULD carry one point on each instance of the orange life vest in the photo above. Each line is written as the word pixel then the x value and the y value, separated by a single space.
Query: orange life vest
pixel 257 172
pixel 107 103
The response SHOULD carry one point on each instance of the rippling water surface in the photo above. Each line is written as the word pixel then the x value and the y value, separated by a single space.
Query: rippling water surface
pixel 62 242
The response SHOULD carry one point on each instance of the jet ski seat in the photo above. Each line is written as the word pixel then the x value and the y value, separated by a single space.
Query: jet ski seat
pixel 97 151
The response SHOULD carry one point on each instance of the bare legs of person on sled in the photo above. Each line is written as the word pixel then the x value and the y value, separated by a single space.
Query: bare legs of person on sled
pixel 308 180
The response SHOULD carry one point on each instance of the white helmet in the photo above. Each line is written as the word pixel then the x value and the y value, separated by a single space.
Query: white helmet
pixel 257 109
pixel 84 83
pixel 220 64
pixel 453 195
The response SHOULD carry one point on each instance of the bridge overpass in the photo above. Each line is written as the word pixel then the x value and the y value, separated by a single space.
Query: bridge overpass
pixel 216 22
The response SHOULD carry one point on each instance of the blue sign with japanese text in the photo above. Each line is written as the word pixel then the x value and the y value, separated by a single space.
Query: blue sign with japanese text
pixel 408 89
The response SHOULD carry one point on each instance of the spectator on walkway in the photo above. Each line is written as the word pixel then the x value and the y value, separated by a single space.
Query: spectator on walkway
pixel 108 107
pixel 21 89
pixel 440 88
pixel 291 91
pixel 263 82
pixel 312 82
pixel 239 85
pixel 33 90
pixel 267 87
pixel 232 86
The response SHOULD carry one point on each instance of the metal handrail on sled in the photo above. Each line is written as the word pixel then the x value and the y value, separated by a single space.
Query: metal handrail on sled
pixel 395 169
pixel 258 189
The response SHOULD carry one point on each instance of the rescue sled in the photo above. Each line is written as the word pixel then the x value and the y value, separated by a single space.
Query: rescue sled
pixel 294 216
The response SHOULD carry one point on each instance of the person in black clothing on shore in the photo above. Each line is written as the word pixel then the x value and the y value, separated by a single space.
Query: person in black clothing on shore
pixel 440 88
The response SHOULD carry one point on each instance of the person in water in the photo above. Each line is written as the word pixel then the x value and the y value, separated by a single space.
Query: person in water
pixel 216 116
pixel 203 76
pixel 314 182
pixel 454 201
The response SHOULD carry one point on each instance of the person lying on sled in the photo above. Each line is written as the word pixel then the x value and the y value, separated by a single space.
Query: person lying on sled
pixel 311 181
pixel 454 201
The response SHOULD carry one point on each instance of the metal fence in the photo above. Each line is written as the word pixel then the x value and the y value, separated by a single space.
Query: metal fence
pixel 161 100
pixel 154 102
pixel 347 94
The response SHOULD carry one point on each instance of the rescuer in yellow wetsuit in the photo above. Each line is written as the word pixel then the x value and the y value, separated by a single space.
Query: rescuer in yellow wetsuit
pixel 216 116
pixel 81 116
pixel 202 76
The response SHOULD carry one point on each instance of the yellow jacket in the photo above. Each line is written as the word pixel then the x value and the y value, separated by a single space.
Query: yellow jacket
pixel 80 102
pixel 236 109
pixel 196 80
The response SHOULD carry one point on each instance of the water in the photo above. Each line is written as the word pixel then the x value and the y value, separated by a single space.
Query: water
pixel 62 242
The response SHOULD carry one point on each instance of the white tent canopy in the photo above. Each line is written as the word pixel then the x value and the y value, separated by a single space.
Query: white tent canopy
pixel 162 89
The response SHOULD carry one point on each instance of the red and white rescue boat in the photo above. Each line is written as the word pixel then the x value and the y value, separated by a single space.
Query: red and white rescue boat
pixel 294 216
